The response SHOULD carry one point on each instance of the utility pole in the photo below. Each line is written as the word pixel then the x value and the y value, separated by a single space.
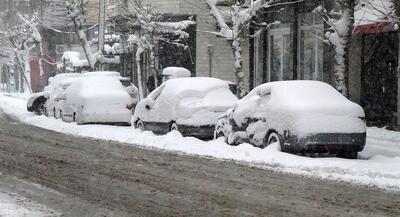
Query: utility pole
pixel 102 20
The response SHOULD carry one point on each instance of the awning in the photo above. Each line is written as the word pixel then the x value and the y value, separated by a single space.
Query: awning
pixel 373 16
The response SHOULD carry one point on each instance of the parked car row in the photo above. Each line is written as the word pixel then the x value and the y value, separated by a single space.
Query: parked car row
pixel 92 97
pixel 305 117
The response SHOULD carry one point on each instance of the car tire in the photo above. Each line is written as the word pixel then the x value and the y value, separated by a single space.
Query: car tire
pixel 272 138
pixel 140 125
pixel 173 127
pixel 347 154
pixel 219 133
pixel 40 110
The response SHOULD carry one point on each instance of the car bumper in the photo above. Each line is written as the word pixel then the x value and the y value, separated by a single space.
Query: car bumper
pixel 201 132
pixel 123 118
pixel 326 143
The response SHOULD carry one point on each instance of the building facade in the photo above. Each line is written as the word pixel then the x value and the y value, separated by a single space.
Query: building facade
pixel 208 55
pixel 295 49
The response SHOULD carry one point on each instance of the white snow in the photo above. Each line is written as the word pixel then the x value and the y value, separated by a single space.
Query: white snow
pixel 175 72
pixel 13 205
pixel 378 165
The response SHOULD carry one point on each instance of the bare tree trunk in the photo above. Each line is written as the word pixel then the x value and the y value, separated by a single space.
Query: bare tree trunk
pixel 237 54
pixel 153 67
pixel 342 49
pixel 139 73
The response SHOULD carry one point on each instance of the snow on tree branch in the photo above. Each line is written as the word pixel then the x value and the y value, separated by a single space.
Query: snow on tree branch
pixel 241 15
pixel 76 10
pixel 149 28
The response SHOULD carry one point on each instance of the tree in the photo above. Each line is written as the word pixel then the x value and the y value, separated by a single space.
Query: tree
pixel 240 17
pixel 25 37
pixel 149 29
pixel 76 10
pixel 339 36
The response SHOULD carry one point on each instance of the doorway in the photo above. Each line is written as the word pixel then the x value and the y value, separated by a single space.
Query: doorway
pixel 379 82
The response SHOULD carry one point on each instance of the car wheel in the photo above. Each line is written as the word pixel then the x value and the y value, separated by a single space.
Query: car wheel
pixel 41 109
pixel 348 154
pixel 173 127
pixel 219 134
pixel 140 125
pixel 273 138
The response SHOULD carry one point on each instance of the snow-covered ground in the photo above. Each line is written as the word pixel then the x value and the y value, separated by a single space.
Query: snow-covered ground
pixel 378 165
pixel 13 205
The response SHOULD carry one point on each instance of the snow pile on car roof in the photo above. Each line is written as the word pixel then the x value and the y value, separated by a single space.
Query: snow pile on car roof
pixel 102 73
pixel 176 72
pixel 308 97
pixel 195 87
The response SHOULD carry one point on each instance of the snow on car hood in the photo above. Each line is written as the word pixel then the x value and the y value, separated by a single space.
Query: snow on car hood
pixel 205 111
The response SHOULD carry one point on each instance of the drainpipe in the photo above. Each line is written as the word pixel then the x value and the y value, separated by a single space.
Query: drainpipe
pixel 210 51
pixel 398 84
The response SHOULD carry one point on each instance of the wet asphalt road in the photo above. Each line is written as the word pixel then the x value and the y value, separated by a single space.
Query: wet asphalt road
pixel 84 177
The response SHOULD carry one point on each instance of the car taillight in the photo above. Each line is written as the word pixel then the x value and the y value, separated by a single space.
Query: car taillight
pixel 129 107
pixel 363 119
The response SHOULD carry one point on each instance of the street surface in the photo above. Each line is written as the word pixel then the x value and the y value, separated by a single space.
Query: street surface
pixel 83 177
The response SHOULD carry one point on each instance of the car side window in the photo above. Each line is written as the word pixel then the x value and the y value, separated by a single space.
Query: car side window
pixel 156 93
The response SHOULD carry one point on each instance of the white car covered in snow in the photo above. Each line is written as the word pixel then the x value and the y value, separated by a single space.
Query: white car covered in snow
pixel 189 105
pixel 301 116
pixel 57 85
pixel 97 99
pixel 128 85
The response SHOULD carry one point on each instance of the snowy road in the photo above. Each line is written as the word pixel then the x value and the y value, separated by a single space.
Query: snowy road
pixel 131 181
pixel 378 165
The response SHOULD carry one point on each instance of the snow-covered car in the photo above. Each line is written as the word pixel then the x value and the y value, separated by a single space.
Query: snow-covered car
pixel 36 103
pixel 126 82
pixel 189 105
pixel 57 85
pixel 97 99
pixel 301 116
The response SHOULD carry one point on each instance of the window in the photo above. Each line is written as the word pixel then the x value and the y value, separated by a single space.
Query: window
pixel 310 51
pixel 279 54
pixel 258 59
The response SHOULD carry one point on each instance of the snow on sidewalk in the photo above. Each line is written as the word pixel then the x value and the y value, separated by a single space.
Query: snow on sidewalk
pixel 12 205
pixel 378 165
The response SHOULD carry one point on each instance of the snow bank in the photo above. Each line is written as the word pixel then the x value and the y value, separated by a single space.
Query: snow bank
pixel 379 163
